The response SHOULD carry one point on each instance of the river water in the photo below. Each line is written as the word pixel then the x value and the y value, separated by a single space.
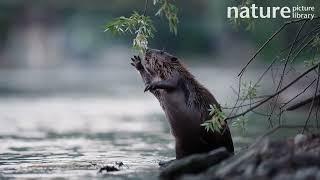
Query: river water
pixel 50 130
pixel 73 137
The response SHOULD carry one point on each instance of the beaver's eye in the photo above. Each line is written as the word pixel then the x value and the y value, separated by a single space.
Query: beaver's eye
pixel 174 59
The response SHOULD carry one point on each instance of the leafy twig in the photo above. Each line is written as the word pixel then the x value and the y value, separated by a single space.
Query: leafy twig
pixel 269 40
pixel 216 123
pixel 275 94
pixel 137 24
pixel 171 13
pixel 142 25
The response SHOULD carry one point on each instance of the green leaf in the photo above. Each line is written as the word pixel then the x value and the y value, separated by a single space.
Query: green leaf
pixel 216 123
pixel 249 90
pixel 310 63
pixel 316 41
pixel 241 123
pixel 140 25
pixel 171 13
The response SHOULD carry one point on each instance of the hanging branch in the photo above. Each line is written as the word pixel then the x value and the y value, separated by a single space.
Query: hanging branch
pixel 275 94
pixel 295 48
pixel 270 39
pixel 299 104
pixel 145 7
pixel 299 44
pixel 284 71
pixel 142 26
pixel 313 100
pixel 302 103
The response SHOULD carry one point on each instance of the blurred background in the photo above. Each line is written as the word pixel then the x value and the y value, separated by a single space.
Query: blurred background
pixel 70 101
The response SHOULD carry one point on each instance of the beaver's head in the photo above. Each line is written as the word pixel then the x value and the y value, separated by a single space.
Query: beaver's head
pixel 160 63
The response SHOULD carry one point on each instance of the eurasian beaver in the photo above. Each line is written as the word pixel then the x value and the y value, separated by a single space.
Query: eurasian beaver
pixel 184 100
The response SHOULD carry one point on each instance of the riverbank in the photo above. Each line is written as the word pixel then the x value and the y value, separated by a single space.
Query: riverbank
pixel 293 158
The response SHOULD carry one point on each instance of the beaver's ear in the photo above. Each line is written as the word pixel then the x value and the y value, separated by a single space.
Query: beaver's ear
pixel 174 59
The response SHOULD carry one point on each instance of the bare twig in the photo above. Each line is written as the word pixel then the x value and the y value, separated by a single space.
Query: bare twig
pixel 297 46
pixel 261 114
pixel 235 108
pixel 284 71
pixel 303 38
pixel 302 103
pixel 317 121
pixel 312 104
pixel 275 94
pixel 261 48
pixel 270 39
pixel 304 46
pixel 243 105
pixel 305 89
pixel 145 7
pixel 306 101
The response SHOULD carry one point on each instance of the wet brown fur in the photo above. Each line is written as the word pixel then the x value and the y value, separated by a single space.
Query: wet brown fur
pixel 164 66
pixel 164 69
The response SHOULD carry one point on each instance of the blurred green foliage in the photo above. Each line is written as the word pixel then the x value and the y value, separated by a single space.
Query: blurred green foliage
pixel 259 30
pixel 171 13
pixel 142 25
pixel 202 23
pixel 241 124
pixel 249 90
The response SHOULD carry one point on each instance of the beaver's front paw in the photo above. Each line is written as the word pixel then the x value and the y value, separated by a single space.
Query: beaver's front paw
pixel 136 62
pixel 150 87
